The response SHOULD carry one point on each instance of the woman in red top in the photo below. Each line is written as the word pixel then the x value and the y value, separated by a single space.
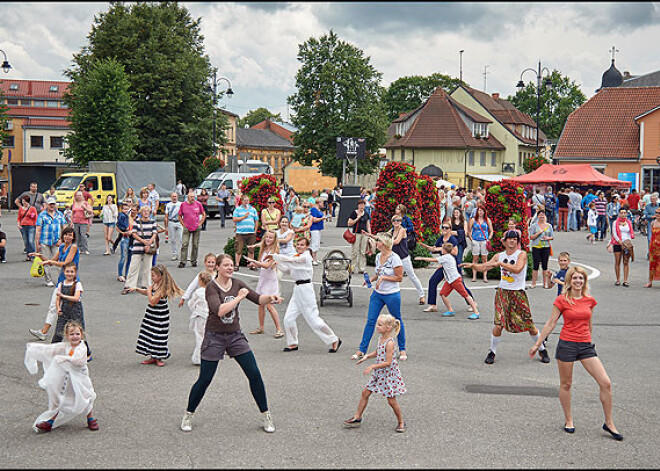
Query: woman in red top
pixel 575 344
pixel 26 221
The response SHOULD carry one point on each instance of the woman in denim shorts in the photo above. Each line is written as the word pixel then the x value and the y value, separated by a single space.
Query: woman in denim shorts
pixel 575 345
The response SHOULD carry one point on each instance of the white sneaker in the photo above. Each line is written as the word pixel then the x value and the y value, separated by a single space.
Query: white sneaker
pixel 38 334
pixel 50 284
pixel 186 422
pixel 174 257
pixel 268 422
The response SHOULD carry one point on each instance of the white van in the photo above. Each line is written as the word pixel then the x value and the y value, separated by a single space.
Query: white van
pixel 212 184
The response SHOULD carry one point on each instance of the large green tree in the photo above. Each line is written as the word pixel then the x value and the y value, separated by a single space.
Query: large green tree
pixel 253 117
pixel 102 114
pixel 338 94
pixel 4 118
pixel 557 102
pixel 161 49
pixel 407 93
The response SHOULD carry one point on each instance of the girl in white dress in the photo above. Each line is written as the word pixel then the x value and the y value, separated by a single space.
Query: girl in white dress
pixel 66 379
pixel 268 283
pixel 199 312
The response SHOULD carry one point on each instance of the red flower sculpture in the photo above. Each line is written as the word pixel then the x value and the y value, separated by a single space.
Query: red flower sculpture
pixel 259 189
pixel 504 200
pixel 428 206
pixel 397 184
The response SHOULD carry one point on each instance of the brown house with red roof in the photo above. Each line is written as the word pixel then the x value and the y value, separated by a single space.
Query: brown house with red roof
pixel 617 131
pixel 449 135
pixel 37 125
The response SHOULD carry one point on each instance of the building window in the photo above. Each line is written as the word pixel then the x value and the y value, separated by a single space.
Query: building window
pixel 63 105
pixel 8 142
pixel 54 88
pixel 39 103
pixel 651 178
pixel 56 142
pixel 25 102
pixel 37 142
pixel 482 159
pixel 51 104
pixel 12 101
pixel 493 159
pixel 471 158
pixel 13 86
pixel 480 130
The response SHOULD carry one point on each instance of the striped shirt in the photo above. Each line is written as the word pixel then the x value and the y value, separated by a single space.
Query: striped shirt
pixel 51 227
pixel 144 230
pixel 601 206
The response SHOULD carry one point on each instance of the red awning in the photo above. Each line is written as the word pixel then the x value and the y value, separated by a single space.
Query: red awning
pixel 579 174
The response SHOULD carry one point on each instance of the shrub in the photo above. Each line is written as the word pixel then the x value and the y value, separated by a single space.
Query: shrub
pixel 532 163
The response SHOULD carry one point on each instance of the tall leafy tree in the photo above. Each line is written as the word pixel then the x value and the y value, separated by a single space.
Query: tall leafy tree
pixel 338 94
pixel 102 114
pixel 4 118
pixel 161 49
pixel 407 93
pixel 253 117
pixel 557 102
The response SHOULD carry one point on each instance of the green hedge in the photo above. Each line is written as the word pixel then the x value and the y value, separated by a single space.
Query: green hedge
pixel 230 250
pixel 494 274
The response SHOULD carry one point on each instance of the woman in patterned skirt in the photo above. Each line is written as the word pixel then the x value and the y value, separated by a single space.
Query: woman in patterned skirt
pixel 654 250
pixel 155 327
pixel 385 374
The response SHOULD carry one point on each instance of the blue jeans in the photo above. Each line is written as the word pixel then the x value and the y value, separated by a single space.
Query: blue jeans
pixel 601 225
pixel 122 267
pixel 376 303
pixel 28 233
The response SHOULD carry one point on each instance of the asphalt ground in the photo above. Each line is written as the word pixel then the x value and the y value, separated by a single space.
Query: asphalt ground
pixel 460 412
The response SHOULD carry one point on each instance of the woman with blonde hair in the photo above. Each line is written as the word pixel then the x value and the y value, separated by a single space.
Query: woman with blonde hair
pixel 389 273
pixel 576 306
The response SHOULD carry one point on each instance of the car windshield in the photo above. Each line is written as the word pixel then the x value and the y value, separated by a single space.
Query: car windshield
pixel 210 184
pixel 67 183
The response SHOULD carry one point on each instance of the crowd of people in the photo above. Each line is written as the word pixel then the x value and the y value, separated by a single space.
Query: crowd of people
pixel 289 244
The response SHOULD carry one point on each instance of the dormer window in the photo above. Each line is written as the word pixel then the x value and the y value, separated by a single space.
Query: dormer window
pixel 54 88
pixel 13 86
pixel 480 130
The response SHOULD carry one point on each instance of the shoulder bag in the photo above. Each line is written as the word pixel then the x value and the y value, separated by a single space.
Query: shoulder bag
pixel 150 249
pixel 489 246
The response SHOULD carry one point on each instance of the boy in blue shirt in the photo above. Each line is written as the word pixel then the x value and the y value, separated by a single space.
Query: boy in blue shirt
pixel 560 277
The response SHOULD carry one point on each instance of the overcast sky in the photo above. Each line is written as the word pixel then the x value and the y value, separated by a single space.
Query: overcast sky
pixel 255 45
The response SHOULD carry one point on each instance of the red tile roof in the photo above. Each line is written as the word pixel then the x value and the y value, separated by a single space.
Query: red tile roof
pixel 276 128
pixel 46 123
pixel 439 125
pixel 604 127
pixel 34 88
pixel 32 111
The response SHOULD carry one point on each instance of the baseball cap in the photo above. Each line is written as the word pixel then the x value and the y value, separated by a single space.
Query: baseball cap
pixel 51 200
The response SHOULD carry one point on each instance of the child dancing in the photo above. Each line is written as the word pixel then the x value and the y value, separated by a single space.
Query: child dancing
pixel 385 374
pixel 199 312
pixel 66 379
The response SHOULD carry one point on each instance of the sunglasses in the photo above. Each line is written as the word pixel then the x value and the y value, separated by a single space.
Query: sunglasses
pixel 446 227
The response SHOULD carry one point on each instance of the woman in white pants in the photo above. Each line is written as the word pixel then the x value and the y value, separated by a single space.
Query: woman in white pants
pixel 400 247
pixel 303 299
pixel 144 233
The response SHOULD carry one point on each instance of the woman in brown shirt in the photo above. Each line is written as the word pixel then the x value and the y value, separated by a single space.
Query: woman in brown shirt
pixel 223 334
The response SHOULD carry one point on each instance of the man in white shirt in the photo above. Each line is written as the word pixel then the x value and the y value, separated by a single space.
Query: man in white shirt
pixel 153 199
pixel 575 210
pixel 173 225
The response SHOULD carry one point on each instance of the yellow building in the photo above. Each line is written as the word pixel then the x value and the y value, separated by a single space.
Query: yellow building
pixel 264 145
pixel 230 132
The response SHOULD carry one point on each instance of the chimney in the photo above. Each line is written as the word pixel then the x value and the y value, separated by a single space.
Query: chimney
pixel 496 96
pixel 626 75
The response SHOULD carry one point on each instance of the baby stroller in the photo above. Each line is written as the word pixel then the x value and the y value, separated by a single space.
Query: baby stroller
pixel 336 280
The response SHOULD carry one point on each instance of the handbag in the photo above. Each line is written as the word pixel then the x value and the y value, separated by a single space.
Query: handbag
pixel 349 236
pixel 37 268
pixel 628 247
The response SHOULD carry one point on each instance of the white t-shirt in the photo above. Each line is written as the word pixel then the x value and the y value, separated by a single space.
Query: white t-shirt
pixel 286 248
pixel 78 286
pixel 592 216
pixel 449 267
pixel 109 213
pixel 511 281
pixel 625 232
pixel 172 212
pixel 387 269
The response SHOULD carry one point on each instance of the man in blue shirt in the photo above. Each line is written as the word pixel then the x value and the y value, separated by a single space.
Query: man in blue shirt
pixel 49 227
pixel 315 230
pixel 246 219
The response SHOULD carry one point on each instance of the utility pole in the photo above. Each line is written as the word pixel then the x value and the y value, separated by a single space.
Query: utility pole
pixel 460 64
pixel 485 74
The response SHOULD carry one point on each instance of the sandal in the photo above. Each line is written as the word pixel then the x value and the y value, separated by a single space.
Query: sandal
pixel 403 357
pixel 150 361
pixel 625 283
pixel 422 301
pixel 160 363
pixel 257 331
pixel 357 356
pixel 279 334
pixel 617 284
pixel 401 428
pixel 352 422
pixel 430 309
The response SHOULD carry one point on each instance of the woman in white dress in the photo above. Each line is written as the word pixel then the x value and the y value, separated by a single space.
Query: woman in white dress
pixel 268 283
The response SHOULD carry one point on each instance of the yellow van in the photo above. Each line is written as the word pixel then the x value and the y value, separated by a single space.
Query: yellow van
pixel 99 185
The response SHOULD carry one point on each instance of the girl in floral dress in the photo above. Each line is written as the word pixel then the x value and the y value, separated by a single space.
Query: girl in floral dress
pixel 385 374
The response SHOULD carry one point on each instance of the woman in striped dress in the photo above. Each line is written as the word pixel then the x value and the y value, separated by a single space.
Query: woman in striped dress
pixel 155 327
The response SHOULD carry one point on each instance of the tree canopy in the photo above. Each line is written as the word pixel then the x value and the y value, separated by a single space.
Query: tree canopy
pixel 338 95
pixel 101 116
pixel 407 93
pixel 161 49
pixel 557 103
pixel 253 117
pixel 4 118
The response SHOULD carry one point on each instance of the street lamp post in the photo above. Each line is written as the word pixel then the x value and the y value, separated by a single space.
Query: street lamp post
pixel 5 64
pixel 548 85
pixel 229 92
pixel 6 67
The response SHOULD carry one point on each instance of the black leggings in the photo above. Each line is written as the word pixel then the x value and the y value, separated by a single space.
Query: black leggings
pixel 248 364
pixel 540 256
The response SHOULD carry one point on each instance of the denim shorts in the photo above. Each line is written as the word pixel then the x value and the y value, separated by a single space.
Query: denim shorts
pixel 568 351
pixel 110 224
